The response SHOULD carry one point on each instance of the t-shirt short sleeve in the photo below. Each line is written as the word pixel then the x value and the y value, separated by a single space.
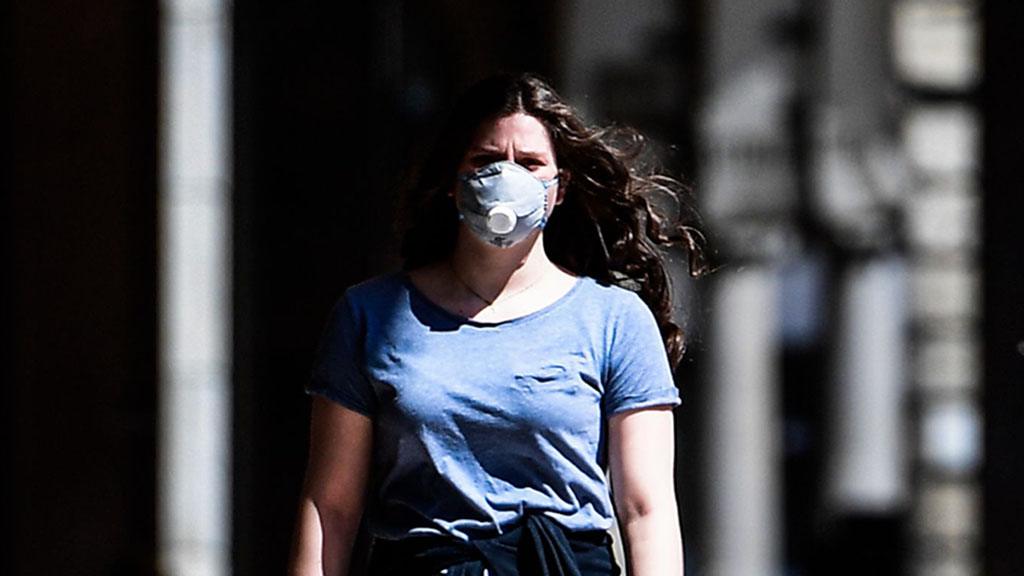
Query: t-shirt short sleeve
pixel 639 375
pixel 337 372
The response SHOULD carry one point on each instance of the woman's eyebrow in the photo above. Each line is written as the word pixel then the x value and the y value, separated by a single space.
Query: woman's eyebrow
pixel 532 153
pixel 519 152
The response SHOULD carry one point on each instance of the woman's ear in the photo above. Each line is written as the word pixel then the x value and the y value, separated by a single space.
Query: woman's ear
pixel 563 183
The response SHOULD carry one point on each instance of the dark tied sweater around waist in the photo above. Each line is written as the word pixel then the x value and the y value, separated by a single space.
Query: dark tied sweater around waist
pixel 538 546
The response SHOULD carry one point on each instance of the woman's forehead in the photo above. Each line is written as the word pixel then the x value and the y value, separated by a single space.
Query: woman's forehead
pixel 525 133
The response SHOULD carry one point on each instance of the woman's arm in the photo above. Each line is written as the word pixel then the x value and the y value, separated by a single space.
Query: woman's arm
pixel 641 462
pixel 333 492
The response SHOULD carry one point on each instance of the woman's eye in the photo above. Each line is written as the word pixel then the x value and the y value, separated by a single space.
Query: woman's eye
pixel 482 160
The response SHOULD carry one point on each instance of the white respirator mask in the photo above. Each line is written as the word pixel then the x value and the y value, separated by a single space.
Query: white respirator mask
pixel 503 202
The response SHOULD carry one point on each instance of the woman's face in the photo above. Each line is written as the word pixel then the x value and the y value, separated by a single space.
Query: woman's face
pixel 518 138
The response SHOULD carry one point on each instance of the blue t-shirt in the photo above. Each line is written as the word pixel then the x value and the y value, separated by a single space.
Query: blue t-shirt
pixel 476 423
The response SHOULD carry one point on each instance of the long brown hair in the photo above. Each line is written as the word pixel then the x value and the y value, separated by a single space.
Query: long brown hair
pixel 611 225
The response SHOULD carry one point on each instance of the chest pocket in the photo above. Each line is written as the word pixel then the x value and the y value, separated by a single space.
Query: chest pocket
pixel 559 399
pixel 552 377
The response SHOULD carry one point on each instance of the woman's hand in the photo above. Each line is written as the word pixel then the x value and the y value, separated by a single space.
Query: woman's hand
pixel 333 493
pixel 641 462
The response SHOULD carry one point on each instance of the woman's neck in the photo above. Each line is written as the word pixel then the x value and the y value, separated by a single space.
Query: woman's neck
pixel 491 271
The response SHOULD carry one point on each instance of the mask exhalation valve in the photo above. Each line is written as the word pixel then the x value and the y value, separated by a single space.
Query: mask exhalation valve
pixel 501 220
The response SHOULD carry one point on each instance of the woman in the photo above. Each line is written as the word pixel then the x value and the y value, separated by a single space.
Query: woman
pixel 470 403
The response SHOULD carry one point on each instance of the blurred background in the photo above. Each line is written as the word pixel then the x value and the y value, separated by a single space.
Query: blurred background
pixel 188 186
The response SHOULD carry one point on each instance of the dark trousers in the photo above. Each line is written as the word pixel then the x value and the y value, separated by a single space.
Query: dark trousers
pixel 537 547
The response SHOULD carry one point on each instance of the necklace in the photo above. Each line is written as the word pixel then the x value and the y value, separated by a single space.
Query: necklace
pixel 489 301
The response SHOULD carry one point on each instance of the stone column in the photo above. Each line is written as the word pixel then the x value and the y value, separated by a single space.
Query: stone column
pixel 748 183
pixel 194 495
pixel 937 54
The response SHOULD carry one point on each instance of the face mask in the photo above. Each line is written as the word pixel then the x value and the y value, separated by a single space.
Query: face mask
pixel 503 202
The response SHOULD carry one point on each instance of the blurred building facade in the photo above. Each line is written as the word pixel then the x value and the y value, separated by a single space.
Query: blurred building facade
pixel 194 182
